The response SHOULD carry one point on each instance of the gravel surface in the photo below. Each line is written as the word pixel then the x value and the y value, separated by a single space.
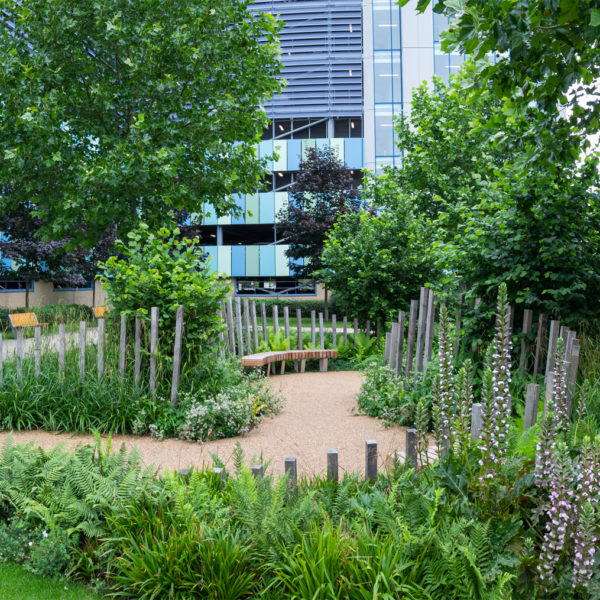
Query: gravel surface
pixel 318 415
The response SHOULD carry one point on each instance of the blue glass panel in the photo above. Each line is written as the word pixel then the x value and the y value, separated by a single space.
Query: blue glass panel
pixel 210 216
pixel 322 143
pixel 294 155
pixel 353 153
pixel 212 253
pixel 238 261
pixel 267 207
pixel 267 261
pixel 240 201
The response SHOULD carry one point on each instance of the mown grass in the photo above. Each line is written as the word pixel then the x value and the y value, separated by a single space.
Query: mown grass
pixel 16 583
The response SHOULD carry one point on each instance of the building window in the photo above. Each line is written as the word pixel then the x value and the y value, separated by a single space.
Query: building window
pixel 88 285
pixel 347 127
pixel 15 285
pixel 248 235
pixel 274 286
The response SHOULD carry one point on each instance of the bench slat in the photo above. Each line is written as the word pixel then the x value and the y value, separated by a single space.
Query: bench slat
pixel 265 358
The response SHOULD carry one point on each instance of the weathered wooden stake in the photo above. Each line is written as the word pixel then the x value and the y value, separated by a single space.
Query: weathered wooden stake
pixel 263 322
pixel 238 326
pixel 476 420
pixel 334 330
pixel 153 347
pixel 231 327
pixel 20 356
pixel 321 331
pixel 526 330
pixel 38 351
pixel 411 448
pixel 257 471
pixel 291 468
pixel 177 355
pixel 552 340
pixel 275 319
pixel 101 337
pixel 387 348
pixel 313 330
pixel 548 392
pixel 393 346
pixel 368 328
pixel 332 465
pixel 400 346
pixel 355 324
pixel 539 345
pixel 429 329
pixel 370 459
pixel 286 322
pixel 378 330
pixel 82 331
pixel 345 329
pixel 137 352
pixel 410 342
pixel 122 344
pixel 61 348
pixel 247 325
pixel 254 323
pixel 572 374
pixel 532 399
pixel 423 302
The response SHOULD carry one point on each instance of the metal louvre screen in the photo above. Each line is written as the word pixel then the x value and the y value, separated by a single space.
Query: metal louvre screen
pixel 321 46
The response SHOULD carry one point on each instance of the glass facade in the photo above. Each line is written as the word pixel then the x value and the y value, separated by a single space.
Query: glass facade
pixel 387 74
pixel 444 64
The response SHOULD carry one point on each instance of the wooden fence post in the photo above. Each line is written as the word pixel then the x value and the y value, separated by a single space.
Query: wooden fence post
pixel 286 322
pixel 387 348
pixel 263 322
pixel 82 331
pixel 368 328
pixel 231 327
pixel 257 471
pixel 177 355
pixel 400 347
pixel 38 351
pixel 101 335
pixel 334 330
pixel 355 324
pixel 476 420
pixel 423 302
pixel 153 347
pixel 332 465
pixel 254 323
pixel 411 448
pixel 20 356
pixel 137 358
pixel 410 342
pixel 122 344
pixel 238 326
pixel 572 374
pixel 526 330
pixel 539 344
pixel 370 459
pixel 291 468
pixel 321 331
pixel 393 346
pixel 275 319
pixel 61 348
pixel 345 329
pixel 548 392
pixel 313 331
pixel 532 399
pixel 552 340
pixel 429 329
pixel 247 325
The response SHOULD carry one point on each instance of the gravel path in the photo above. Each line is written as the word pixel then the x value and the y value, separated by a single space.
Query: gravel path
pixel 317 416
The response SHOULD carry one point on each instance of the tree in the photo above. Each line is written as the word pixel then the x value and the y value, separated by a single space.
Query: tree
pixel 323 190
pixel 115 111
pixel 546 57
pixel 33 259
pixel 375 264
pixel 161 269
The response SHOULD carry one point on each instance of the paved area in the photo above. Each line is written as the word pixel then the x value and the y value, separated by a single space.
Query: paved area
pixel 318 415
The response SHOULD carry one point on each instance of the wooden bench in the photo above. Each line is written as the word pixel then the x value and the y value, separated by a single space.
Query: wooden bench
pixel 22 320
pixel 100 311
pixel 267 358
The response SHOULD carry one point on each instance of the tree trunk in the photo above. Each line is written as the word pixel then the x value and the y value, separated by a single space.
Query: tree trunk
pixel 326 310
pixel 27 286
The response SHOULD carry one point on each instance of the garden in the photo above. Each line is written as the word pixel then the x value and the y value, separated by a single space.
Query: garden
pixel 461 297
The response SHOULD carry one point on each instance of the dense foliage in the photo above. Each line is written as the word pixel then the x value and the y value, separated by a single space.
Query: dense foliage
pixel 117 111
pixel 158 269
pixel 545 58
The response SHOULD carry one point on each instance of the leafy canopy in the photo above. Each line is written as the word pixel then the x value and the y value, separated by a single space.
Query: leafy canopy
pixel 158 269
pixel 121 110
pixel 323 190
pixel 546 57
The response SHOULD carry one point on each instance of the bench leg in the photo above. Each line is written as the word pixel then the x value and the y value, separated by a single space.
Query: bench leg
pixel 282 367
pixel 296 366
pixel 302 365
pixel 322 365
pixel 268 369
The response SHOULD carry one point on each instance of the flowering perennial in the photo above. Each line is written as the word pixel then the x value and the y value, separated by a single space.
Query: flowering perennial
pixel 445 379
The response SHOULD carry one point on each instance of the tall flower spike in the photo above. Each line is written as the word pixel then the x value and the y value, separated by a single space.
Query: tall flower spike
pixel 560 515
pixel 545 456
pixel 488 442
pixel 501 363
pixel 421 425
pixel 559 387
pixel 464 394
pixel 446 385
